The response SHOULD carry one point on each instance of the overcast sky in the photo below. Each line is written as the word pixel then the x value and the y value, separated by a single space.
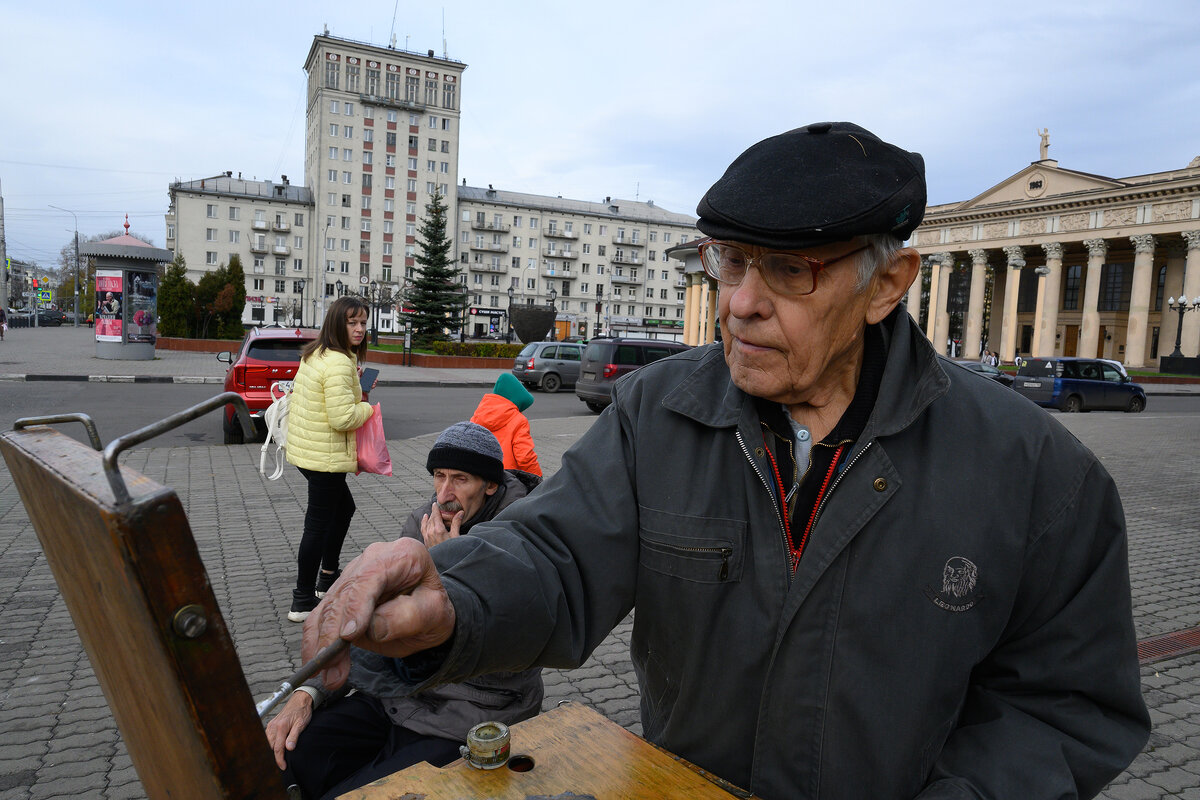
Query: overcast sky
pixel 106 103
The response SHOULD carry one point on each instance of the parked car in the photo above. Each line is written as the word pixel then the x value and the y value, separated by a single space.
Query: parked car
pixel 50 317
pixel 986 370
pixel 548 366
pixel 1079 384
pixel 266 355
pixel 605 360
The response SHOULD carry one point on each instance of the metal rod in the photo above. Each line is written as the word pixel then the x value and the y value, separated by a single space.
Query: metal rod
pixel 301 675
pixel 54 419
pixel 121 443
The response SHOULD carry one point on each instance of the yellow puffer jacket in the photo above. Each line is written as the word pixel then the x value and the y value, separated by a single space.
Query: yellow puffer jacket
pixel 325 410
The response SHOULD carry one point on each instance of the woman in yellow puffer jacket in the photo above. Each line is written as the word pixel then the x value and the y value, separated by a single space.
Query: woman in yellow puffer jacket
pixel 325 410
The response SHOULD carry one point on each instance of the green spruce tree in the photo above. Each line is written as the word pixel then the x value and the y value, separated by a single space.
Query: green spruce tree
pixel 231 320
pixel 176 300
pixel 437 297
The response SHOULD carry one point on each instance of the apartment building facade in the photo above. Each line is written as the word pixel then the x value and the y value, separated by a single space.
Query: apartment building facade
pixel 381 138
pixel 266 225
pixel 604 264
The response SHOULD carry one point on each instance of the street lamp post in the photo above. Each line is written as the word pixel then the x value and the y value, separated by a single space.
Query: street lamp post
pixel 508 333
pixel 76 314
pixel 374 296
pixel 599 300
pixel 300 282
pixel 1181 306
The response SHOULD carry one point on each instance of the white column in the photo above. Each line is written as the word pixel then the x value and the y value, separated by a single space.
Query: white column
pixel 691 304
pixel 1136 334
pixel 710 307
pixel 1089 336
pixel 1012 286
pixel 935 271
pixel 1190 342
pixel 974 327
pixel 1049 290
pixel 940 321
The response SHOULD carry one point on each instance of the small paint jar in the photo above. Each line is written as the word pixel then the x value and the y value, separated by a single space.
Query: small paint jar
pixel 487 745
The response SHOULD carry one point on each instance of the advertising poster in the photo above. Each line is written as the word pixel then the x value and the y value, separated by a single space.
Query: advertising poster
pixel 141 303
pixel 109 297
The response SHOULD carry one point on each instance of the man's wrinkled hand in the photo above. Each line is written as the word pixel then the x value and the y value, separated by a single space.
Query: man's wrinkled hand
pixel 389 600
pixel 433 527
pixel 285 729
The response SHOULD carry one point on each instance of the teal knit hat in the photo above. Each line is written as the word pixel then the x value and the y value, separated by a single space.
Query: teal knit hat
pixel 508 387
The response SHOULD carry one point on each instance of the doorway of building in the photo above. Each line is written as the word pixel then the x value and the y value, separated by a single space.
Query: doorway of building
pixel 1071 341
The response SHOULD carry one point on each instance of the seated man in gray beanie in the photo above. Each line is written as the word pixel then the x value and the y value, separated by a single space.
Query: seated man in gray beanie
pixel 329 744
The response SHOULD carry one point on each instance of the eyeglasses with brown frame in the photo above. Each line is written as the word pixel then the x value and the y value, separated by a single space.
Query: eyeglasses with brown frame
pixel 785 272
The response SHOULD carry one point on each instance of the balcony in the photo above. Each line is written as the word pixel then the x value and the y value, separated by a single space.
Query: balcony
pixel 501 269
pixel 490 247
pixel 627 242
pixel 627 258
pixel 499 227
pixel 564 274
pixel 628 280
pixel 281 250
pixel 279 226
pixel 259 249
pixel 681 283
pixel 260 225
pixel 391 102
pixel 555 233
pixel 548 253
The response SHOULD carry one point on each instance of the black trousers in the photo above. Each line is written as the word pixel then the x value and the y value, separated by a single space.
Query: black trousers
pixel 351 742
pixel 330 507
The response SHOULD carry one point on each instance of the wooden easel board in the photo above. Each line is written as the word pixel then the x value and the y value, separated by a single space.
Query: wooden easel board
pixel 574 749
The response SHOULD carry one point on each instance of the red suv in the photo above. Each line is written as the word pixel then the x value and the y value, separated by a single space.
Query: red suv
pixel 266 355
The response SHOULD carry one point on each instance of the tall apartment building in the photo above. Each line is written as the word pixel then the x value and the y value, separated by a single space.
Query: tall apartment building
pixel 605 263
pixel 382 137
pixel 266 225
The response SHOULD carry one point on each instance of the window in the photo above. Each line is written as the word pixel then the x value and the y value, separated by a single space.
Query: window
pixel 431 92
pixel 391 116
pixel 258 265
pixel 235 237
pixel 235 213
pixel 366 202
pixel 368 112
pixel 587 248
pixel 345 245
pixel 345 223
pixel 429 187
pixel 587 228
pixel 431 166
pixel 389 182
pixel 412 163
pixel 258 284
pixel 533 222
pixel 348 132
pixel 391 138
pixel 373 81
pixel 345 201
pixel 332 176
pixel 366 226
pixel 387 226
pixel 298 264
pixel 393 85
pixel 335 107
pixel 352 84
pixel 412 184
pixel 280 287
pixel 333 129
pixel 368 134
pixel 1071 289
pixel 411 87
pixel 445 124
pixel 389 160
pixel 171 231
pixel 432 145
pixel 445 146
pixel 366 180
pixel 346 177
pixel 212 211
pixel 281 267
pixel 654 255
pixel 432 121
pixel 210 257
pixel 210 234
pixel 367 157
pixel 653 236
pixel 600 250
pixel 410 229
pixel 298 221
pixel 331 74
pixel 516 241
pixel 516 220
pixel 1114 287
pixel 449 95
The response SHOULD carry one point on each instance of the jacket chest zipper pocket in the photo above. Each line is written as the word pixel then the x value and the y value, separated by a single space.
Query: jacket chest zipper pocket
pixel 724 552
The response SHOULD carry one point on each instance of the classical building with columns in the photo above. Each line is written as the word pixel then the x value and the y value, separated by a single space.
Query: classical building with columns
pixel 1053 261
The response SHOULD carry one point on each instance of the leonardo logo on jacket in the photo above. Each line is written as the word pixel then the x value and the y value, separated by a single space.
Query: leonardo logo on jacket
pixel 959 579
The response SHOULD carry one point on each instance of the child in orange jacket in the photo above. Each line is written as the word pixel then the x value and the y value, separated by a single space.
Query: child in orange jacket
pixel 500 412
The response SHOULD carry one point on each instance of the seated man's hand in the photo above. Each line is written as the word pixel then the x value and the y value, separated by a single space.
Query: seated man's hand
pixel 284 730
pixel 389 600
pixel 433 527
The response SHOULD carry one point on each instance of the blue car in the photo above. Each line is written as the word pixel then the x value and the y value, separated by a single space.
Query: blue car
pixel 1079 384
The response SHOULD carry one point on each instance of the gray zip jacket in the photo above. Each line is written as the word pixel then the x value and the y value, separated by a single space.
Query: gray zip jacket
pixel 959 626
pixel 450 710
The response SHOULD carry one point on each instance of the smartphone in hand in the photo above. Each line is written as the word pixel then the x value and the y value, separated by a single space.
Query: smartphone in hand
pixel 368 378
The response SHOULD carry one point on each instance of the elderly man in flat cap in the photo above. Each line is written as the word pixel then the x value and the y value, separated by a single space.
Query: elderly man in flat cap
pixel 859 571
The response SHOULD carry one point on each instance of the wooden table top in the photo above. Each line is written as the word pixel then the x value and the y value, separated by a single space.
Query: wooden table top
pixel 573 749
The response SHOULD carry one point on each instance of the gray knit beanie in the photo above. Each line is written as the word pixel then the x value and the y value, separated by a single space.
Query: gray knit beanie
pixel 468 447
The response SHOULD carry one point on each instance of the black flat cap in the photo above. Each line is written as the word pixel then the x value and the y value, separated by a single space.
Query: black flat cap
pixel 826 182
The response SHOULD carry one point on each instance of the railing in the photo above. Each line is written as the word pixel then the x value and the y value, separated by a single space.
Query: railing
pixel 557 234
pixel 260 225
pixel 626 259
pixel 479 267
pixel 281 250
pixel 548 253
pixel 490 247
pixel 627 242
pixel 490 226
pixel 281 226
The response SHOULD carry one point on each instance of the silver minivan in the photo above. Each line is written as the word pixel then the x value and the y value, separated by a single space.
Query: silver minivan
pixel 548 366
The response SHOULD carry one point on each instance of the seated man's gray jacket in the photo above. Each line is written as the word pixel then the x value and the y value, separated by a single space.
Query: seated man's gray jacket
pixel 960 624
pixel 452 709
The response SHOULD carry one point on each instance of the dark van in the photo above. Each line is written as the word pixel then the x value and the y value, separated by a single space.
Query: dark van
pixel 1079 384
pixel 605 360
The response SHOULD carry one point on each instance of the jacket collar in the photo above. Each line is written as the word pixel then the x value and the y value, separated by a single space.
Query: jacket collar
pixel 912 379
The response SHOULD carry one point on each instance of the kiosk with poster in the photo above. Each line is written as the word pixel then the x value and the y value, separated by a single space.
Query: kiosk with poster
pixel 126 296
